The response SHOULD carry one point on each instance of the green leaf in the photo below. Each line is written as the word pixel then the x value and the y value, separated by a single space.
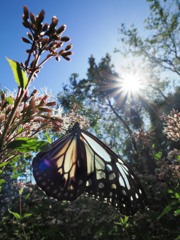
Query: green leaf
pixel 177 195
pixel 10 100
pixel 16 175
pixel 165 211
pixel 21 191
pixel 158 155
pixel 20 129
pixel 170 191
pixel 19 74
pixel 3 164
pixel 28 144
pixel 15 214
pixel 27 215
pixel 2 181
pixel 178 238
pixel 27 196
pixel 124 220
pixel 177 212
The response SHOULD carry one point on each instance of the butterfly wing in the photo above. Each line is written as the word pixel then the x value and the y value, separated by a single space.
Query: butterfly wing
pixel 61 171
pixel 79 162
pixel 110 179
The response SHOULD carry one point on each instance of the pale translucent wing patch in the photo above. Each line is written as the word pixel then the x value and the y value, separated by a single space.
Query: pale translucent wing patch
pixel 111 180
pixel 56 171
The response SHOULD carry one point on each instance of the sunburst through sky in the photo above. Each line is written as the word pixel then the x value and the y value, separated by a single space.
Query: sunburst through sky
pixel 128 85
pixel 131 83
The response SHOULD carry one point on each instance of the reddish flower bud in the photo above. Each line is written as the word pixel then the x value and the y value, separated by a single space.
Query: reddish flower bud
pixel 44 109
pixel 32 17
pixel 68 47
pixel 58 59
pixel 30 36
pixel 34 92
pixel 40 17
pixel 26 24
pixel 25 40
pixel 65 39
pixel 54 21
pixel 51 103
pixel 61 29
pixel 26 13
pixel 3 96
pixel 45 27
pixel 67 58
pixel 62 52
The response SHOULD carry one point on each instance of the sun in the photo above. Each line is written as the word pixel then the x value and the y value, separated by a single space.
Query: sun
pixel 130 83
pixel 127 84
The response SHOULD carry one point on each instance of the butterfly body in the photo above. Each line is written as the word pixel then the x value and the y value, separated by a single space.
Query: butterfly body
pixel 80 163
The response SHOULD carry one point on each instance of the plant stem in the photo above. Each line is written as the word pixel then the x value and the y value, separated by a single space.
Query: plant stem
pixel 20 95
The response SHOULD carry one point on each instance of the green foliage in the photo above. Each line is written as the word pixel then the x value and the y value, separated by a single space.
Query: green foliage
pixel 84 218
pixel 18 216
pixel 19 74
pixel 25 144
pixel 158 155
pixel 161 45
pixel 9 100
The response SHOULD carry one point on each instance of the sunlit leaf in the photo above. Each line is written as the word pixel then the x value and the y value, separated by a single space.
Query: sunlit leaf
pixel 21 191
pixel 19 74
pixel 124 220
pixel 20 129
pixel 10 100
pixel 158 155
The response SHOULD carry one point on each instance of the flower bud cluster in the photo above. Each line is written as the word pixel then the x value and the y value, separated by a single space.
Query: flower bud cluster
pixel 43 37
pixel 168 171
pixel 172 122
pixel 73 117
pixel 144 138
pixel 35 113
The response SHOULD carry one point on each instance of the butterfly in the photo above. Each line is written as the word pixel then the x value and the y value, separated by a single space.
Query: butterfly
pixel 80 163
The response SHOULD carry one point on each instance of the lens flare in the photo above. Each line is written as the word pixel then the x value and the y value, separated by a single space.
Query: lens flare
pixel 131 83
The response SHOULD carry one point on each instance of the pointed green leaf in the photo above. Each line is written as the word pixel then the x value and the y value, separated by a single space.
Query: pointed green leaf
pixel 27 215
pixel 165 211
pixel 27 196
pixel 16 215
pixel 16 175
pixel 21 191
pixel 124 220
pixel 3 164
pixel 19 74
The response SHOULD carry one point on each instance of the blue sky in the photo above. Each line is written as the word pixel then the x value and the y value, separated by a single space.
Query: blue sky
pixel 92 26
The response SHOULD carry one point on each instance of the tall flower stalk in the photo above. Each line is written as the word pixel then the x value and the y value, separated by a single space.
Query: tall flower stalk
pixel 28 113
